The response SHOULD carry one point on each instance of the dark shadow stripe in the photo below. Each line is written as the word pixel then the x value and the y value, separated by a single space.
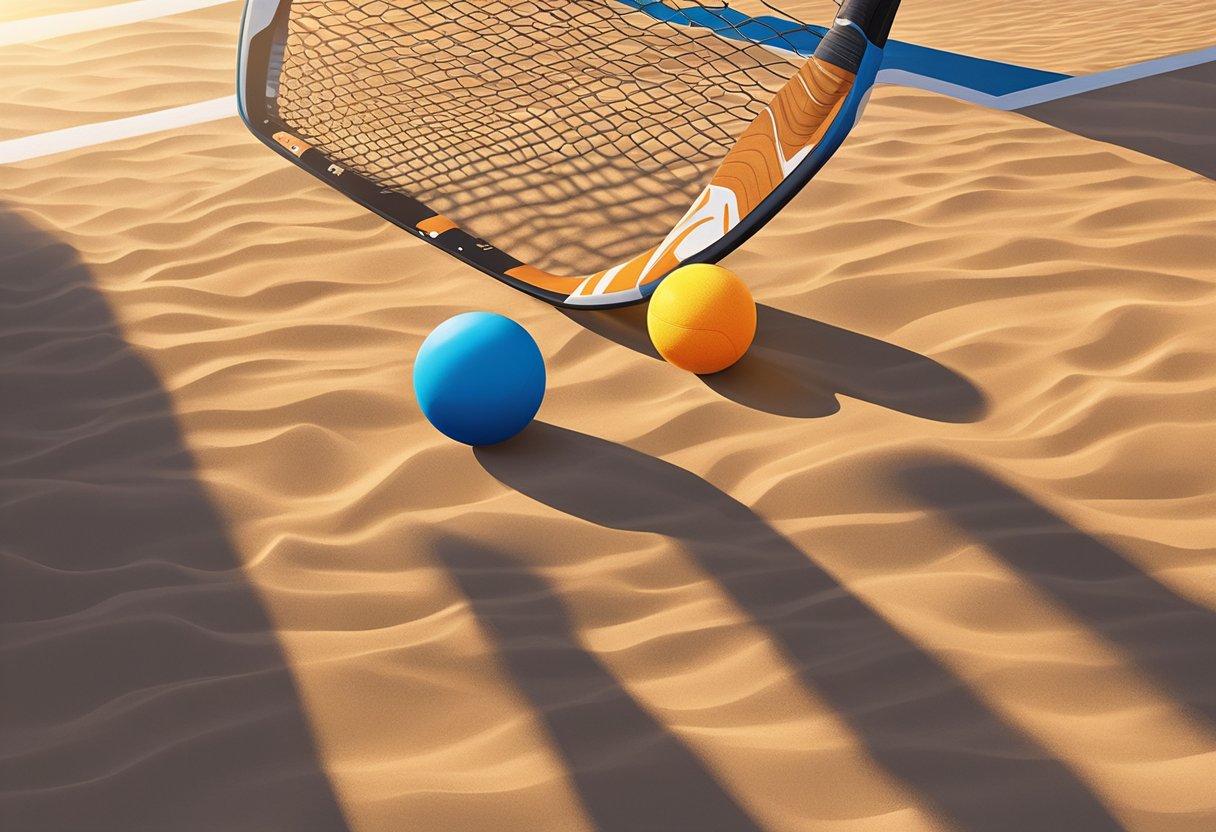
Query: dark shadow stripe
pixel 1170 638
pixel 143 686
pixel 915 718
pixel 630 772
pixel 1171 116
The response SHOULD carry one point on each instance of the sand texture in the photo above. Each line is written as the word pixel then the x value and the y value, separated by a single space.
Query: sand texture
pixel 1171 116
pixel 1088 36
pixel 938 554
pixel 115 72
pixel 24 9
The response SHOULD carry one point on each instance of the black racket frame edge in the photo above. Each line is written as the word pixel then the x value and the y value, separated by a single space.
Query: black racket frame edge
pixel 256 107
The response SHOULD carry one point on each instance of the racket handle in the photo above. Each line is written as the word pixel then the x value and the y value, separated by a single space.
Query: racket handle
pixel 874 17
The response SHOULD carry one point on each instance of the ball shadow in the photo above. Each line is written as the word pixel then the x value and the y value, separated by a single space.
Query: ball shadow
pixel 797 367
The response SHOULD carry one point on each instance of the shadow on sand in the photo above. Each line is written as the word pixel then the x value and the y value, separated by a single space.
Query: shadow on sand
pixel 1171 639
pixel 143 687
pixel 1171 116
pixel 797 367
pixel 916 719
pixel 631 773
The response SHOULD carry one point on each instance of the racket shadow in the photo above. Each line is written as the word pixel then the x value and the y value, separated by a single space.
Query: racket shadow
pixel 1169 638
pixel 630 772
pixel 912 715
pixel 798 367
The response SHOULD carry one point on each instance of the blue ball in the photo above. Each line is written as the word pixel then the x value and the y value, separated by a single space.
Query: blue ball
pixel 479 378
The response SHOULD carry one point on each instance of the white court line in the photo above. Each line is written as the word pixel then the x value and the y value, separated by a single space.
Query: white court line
pixel 1063 88
pixel 49 26
pixel 87 135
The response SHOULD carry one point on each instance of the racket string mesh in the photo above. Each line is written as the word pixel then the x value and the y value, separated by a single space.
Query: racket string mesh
pixel 570 134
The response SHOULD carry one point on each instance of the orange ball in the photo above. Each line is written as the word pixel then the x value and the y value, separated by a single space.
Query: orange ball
pixel 702 318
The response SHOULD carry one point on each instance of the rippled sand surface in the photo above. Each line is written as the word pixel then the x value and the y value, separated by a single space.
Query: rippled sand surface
pixel 1065 37
pixel 939 554
pixel 23 9
pixel 108 73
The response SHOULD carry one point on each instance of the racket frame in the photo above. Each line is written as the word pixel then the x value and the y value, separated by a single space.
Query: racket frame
pixel 262 42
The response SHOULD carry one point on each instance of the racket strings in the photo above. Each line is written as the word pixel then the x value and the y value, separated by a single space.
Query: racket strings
pixel 572 134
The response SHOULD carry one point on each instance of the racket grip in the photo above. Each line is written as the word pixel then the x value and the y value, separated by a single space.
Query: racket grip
pixel 874 17
pixel 842 46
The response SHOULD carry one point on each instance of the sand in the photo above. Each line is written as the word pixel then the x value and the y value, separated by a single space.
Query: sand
pixel 116 72
pixel 23 9
pixel 1171 116
pixel 938 555
pixel 1064 37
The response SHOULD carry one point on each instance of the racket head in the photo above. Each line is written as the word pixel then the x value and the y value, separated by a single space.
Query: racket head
pixel 265 68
